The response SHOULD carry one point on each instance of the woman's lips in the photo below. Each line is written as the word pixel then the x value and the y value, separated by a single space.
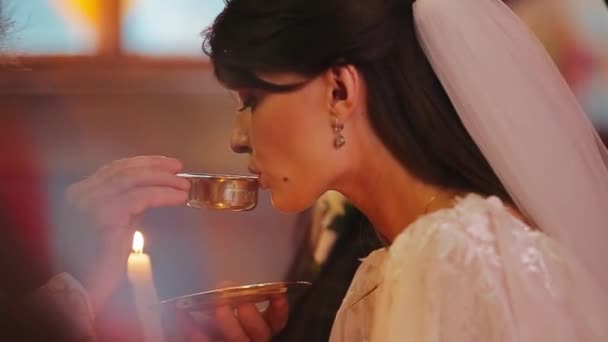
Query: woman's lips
pixel 262 183
pixel 253 170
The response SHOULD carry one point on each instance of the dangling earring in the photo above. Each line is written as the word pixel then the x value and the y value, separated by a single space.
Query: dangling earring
pixel 337 127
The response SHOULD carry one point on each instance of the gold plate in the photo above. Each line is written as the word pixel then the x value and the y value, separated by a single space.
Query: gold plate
pixel 254 293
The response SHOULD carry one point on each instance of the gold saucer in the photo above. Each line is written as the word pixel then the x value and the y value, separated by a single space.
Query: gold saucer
pixel 254 293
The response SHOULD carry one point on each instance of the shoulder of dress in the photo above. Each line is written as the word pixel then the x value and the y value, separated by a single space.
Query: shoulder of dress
pixel 461 233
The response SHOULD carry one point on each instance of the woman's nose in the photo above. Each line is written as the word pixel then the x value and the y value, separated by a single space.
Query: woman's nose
pixel 239 139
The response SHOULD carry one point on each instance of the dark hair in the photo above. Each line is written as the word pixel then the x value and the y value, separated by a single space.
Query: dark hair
pixel 408 108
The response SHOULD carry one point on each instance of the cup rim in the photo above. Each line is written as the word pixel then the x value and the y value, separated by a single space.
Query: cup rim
pixel 214 176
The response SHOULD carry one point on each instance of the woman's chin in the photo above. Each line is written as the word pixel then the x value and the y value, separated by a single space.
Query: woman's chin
pixel 289 204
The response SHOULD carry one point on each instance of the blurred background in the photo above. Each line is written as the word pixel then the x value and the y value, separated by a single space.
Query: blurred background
pixel 575 33
pixel 85 82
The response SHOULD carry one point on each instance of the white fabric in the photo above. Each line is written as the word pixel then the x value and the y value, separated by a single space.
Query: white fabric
pixel 524 118
pixel 472 273
pixel 65 295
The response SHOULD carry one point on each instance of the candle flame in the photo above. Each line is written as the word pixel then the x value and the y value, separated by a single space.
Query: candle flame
pixel 138 242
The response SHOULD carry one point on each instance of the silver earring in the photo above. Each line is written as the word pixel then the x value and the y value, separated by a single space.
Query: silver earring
pixel 337 127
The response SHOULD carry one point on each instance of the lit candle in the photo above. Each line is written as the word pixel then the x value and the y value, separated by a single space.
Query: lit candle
pixel 140 275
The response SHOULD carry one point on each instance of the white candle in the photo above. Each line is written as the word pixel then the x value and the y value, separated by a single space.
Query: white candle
pixel 139 271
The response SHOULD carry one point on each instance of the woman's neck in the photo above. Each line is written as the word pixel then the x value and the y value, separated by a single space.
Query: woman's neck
pixel 387 193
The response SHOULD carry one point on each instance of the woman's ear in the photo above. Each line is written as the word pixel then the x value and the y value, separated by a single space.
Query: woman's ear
pixel 345 96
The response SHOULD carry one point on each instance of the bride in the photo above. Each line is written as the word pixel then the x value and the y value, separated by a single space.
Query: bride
pixel 447 124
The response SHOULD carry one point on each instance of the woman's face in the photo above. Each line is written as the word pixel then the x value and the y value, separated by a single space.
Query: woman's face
pixel 290 139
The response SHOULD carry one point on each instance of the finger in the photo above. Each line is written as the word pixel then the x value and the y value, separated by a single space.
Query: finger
pixel 153 197
pixel 253 323
pixel 159 163
pixel 183 328
pixel 136 176
pixel 155 162
pixel 130 178
pixel 121 213
pixel 228 325
pixel 277 313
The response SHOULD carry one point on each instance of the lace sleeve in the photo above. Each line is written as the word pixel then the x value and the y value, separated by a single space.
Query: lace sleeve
pixel 478 274
pixel 63 295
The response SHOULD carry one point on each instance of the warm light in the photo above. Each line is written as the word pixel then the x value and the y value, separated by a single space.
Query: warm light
pixel 85 13
pixel 89 10
pixel 138 242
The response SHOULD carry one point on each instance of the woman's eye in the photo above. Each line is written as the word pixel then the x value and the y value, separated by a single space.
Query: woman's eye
pixel 249 102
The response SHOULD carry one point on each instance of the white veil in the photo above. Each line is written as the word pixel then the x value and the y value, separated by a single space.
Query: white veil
pixel 524 118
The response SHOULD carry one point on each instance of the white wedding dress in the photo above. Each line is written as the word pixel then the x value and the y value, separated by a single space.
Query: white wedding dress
pixel 473 273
